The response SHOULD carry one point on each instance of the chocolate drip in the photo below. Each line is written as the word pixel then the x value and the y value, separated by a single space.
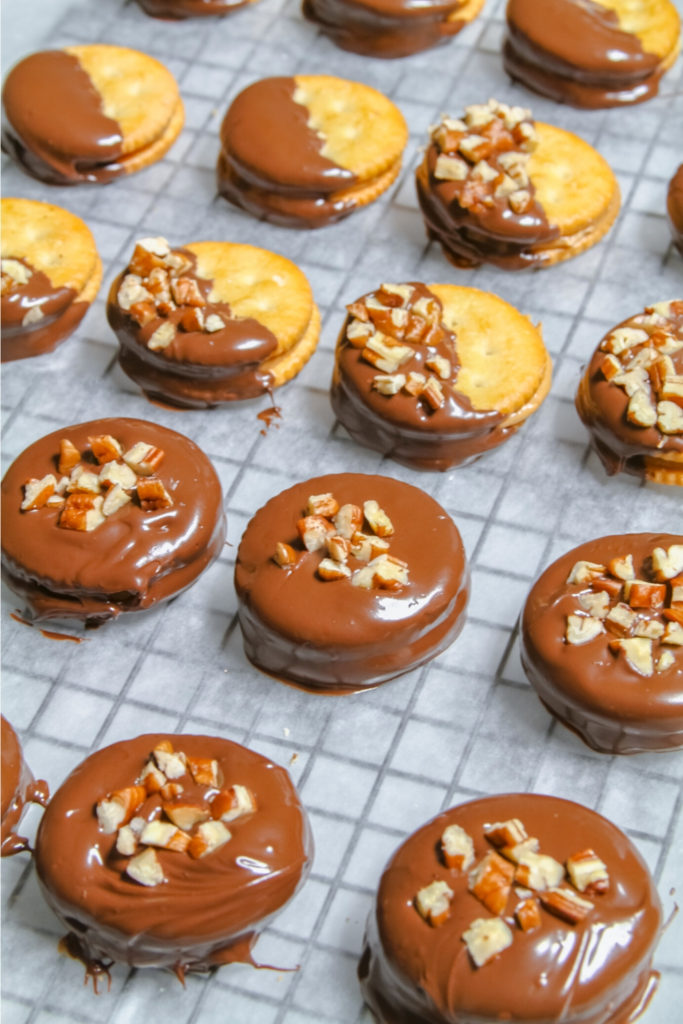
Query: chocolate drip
pixel 38 95
pixel 577 53
pixel 385 28
pixel 18 789
pixel 61 316
pixel 176 9
pixel 674 208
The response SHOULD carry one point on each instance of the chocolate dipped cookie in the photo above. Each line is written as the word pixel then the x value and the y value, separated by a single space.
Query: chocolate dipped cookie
pixel 18 788
pixel 108 516
pixel 211 322
pixel 602 641
pixel 631 395
pixel 171 851
pixel 497 187
pixel 591 53
pixel 179 9
pixel 89 113
pixel 674 208
pixel 347 580
pixel 516 907
pixel 306 151
pixel 390 28
pixel 435 375
pixel 51 272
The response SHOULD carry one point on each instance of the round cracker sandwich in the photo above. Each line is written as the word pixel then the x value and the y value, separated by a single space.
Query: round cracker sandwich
pixel 308 150
pixel 89 113
pixel 51 272
pixel 212 321
pixel 433 376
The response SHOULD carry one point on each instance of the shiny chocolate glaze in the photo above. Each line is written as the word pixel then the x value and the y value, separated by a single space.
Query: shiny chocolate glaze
pixel 132 560
pixel 209 911
pixel 18 788
pixel 336 637
pixel 576 53
pixel 177 9
pixel 61 317
pixel 620 444
pixel 271 162
pixel 674 208
pixel 403 427
pixel 611 707
pixel 198 369
pixel 595 972
pixel 55 126
pixel 492 234
pixel 385 28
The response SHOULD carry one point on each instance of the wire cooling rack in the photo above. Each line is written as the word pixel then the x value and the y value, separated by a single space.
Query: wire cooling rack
pixel 372 767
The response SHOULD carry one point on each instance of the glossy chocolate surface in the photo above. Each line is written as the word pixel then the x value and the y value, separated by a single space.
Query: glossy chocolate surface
pixel 18 788
pixel 331 635
pixel 674 208
pixel 271 162
pixel 198 369
pixel 403 426
pixel 602 405
pixel 209 910
pixel 54 122
pixel 597 694
pixel 176 9
pixel 595 972
pixel 385 28
pixel 131 561
pixel 575 52
pixel 61 317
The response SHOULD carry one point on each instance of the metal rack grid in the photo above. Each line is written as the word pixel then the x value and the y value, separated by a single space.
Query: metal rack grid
pixel 373 767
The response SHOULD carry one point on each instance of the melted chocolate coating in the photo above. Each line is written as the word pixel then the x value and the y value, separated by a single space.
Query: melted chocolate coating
pixel 132 560
pixel 197 370
pixel 611 707
pixel 340 638
pixel 271 163
pixel 620 444
pixel 385 28
pixel 674 208
pixel 55 126
pixel 209 911
pixel 401 426
pixel 576 53
pixel 61 317
pixel 492 235
pixel 18 788
pixel 594 972
pixel 176 9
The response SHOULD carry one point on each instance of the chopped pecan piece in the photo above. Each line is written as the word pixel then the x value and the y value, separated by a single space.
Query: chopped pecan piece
pixel 433 902
pixel 485 938
pixel 457 847
pixel 566 903
pixel 491 881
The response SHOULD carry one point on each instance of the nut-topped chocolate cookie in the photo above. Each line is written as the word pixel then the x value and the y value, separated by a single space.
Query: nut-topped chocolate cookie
pixel 516 907
pixel 591 53
pixel 172 851
pixel 602 641
pixel 347 580
pixel 89 113
pixel 18 789
pixel 433 376
pixel 390 28
pixel 51 272
pixel 308 150
pixel 108 516
pixel 631 395
pixel 497 187
pixel 212 321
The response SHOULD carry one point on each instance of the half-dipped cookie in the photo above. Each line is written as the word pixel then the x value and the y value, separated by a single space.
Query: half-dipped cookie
pixel 631 395
pixel 497 187
pixel 212 321
pixel 516 907
pixel 171 851
pixel 347 580
pixel 591 53
pixel 108 516
pixel 674 208
pixel 390 28
pixel 435 375
pixel 18 788
pixel 51 272
pixel 308 150
pixel 178 9
pixel 602 641
pixel 89 113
